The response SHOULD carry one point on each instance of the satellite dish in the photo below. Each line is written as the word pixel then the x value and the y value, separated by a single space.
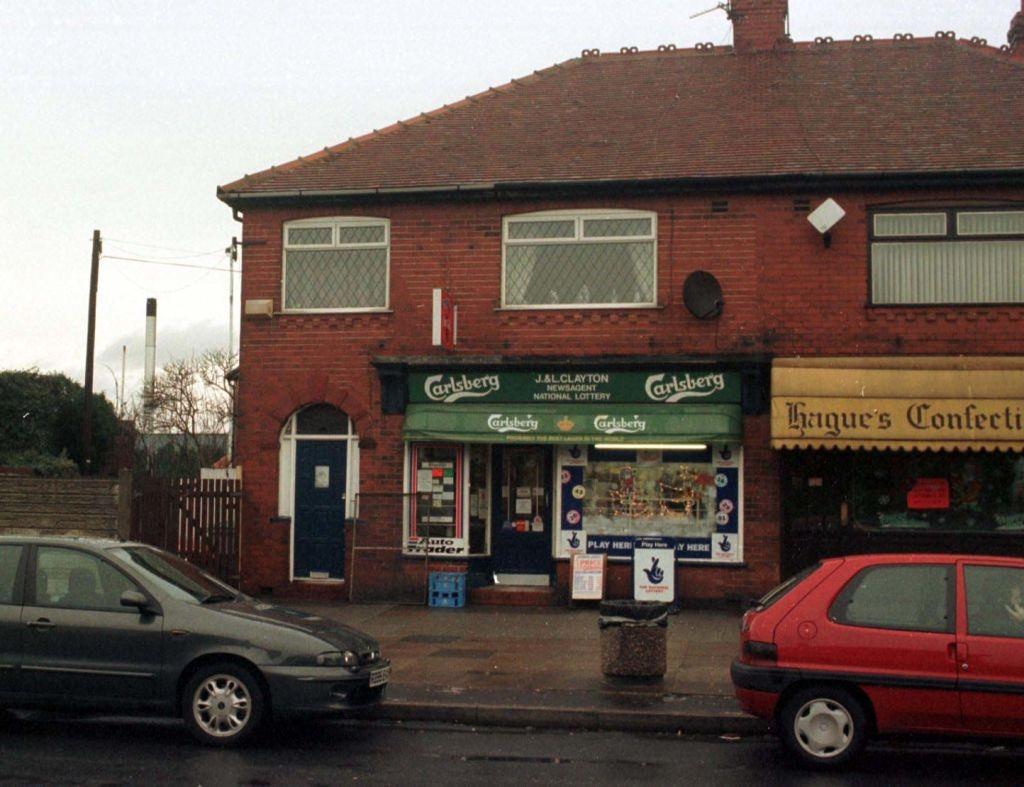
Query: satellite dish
pixel 702 295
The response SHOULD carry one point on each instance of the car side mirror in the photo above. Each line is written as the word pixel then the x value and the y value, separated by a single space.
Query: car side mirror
pixel 132 598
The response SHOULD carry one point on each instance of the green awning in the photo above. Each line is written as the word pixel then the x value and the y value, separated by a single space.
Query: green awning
pixel 549 423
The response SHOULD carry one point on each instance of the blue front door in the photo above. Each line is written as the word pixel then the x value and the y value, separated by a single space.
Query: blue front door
pixel 522 536
pixel 319 540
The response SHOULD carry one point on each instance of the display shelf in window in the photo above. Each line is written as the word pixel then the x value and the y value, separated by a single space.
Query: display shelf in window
pixel 436 485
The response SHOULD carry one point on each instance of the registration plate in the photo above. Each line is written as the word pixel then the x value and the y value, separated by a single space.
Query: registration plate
pixel 379 677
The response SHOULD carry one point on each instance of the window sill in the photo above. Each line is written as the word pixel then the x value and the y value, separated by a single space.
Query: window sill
pixel 943 306
pixel 583 307
pixel 303 312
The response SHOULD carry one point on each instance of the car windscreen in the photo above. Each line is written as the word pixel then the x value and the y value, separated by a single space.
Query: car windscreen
pixel 779 591
pixel 175 576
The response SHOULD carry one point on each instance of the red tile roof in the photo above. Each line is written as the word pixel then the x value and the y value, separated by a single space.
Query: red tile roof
pixel 831 109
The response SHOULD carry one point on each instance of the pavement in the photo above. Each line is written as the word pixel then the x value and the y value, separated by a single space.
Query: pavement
pixel 541 667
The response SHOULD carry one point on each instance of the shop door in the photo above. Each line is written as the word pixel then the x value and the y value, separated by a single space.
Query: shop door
pixel 812 495
pixel 319 546
pixel 522 539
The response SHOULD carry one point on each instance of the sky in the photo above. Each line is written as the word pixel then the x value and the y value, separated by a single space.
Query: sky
pixel 125 116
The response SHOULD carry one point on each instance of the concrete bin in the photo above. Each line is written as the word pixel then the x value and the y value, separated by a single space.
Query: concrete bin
pixel 633 639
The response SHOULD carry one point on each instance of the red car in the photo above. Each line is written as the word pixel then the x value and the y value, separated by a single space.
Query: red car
pixel 872 644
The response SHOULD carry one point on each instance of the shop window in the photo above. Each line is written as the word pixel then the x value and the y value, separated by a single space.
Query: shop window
pixel 437 487
pixel 957 256
pixel 663 493
pixel 995 601
pixel 956 492
pixel 479 499
pixel 337 264
pixel 582 259
pixel 909 598
pixel 449 499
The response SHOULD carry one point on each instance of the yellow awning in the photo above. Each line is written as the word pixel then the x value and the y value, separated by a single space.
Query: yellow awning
pixel 892 403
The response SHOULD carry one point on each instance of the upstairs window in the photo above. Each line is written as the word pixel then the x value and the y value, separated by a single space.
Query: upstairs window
pixel 338 264
pixel 945 257
pixel 581 259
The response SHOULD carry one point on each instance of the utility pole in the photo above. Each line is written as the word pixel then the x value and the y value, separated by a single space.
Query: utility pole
pixel 124 363
pixel 90 346
pixel 232 251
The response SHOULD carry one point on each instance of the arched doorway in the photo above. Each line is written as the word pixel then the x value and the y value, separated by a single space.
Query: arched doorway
pixel 319 462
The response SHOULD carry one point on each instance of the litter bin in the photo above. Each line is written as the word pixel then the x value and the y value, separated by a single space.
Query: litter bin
pixel 633 638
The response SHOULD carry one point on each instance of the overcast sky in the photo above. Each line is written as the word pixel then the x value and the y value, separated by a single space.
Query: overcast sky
pixel 125 116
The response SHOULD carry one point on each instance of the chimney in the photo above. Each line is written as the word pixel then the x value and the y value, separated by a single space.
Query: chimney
pixel 758 24
pixel 1016 34
pixel 150 366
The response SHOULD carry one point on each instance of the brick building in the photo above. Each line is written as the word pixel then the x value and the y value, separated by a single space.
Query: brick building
pixel 652 343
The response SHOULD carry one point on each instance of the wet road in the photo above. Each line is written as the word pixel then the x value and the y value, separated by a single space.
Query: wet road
pixel 117 751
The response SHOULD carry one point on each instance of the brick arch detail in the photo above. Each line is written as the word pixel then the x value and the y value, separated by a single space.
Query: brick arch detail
pixel 277 407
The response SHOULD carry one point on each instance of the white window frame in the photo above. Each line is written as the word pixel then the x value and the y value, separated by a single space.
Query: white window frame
pixel 407 493
pixel 914 214
pixel 579 216
pixel 984 235
pixel 286 479
pixel 335 223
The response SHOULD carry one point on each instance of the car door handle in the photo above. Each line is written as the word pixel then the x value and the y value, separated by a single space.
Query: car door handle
pixel 42 623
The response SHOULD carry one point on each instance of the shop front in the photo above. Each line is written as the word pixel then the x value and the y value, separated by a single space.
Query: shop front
pixel 899 454
pixel 516 470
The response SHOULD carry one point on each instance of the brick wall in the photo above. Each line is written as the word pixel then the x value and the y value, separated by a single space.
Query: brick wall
pixel 785 294
pixel 65 506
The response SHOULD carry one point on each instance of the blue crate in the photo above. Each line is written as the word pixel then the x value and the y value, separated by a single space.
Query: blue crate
pixel 451 600
pixel 447 589
pixel 447 582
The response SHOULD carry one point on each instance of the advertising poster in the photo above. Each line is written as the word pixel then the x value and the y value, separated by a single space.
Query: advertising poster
pixel 654 575
pixel 588 577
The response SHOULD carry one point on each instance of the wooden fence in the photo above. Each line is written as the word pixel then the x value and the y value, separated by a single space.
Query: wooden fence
pixel 197 519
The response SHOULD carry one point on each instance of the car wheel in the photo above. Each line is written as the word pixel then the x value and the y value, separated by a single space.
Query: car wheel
pixel 824 726
pixel 223 704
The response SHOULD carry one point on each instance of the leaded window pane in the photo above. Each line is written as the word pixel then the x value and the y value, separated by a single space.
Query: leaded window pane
pixel 891 225
pixel 541 230
pixel 1009 222
pixel 947 272
pixel 361 234
pixel 309 236
pixel 321 419
pixel 580 273
pixel 617 228
pixel 336 279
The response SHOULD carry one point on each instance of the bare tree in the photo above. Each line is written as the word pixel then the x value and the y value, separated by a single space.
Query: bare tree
pixel 190 397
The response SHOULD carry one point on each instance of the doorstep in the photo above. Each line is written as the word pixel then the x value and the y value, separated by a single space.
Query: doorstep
pixel 514 596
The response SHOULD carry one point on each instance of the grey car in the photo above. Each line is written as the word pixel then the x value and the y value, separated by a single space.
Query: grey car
pixel 111 626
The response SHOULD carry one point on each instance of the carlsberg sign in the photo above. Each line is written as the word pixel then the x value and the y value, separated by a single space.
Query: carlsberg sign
pixel 453 387
pixel 574 386
pixel 670 388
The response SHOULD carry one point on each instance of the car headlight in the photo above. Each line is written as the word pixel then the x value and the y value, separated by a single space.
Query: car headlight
pixel 337 659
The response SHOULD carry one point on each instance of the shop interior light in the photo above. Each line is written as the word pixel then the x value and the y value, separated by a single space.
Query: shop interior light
pixel 652 446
